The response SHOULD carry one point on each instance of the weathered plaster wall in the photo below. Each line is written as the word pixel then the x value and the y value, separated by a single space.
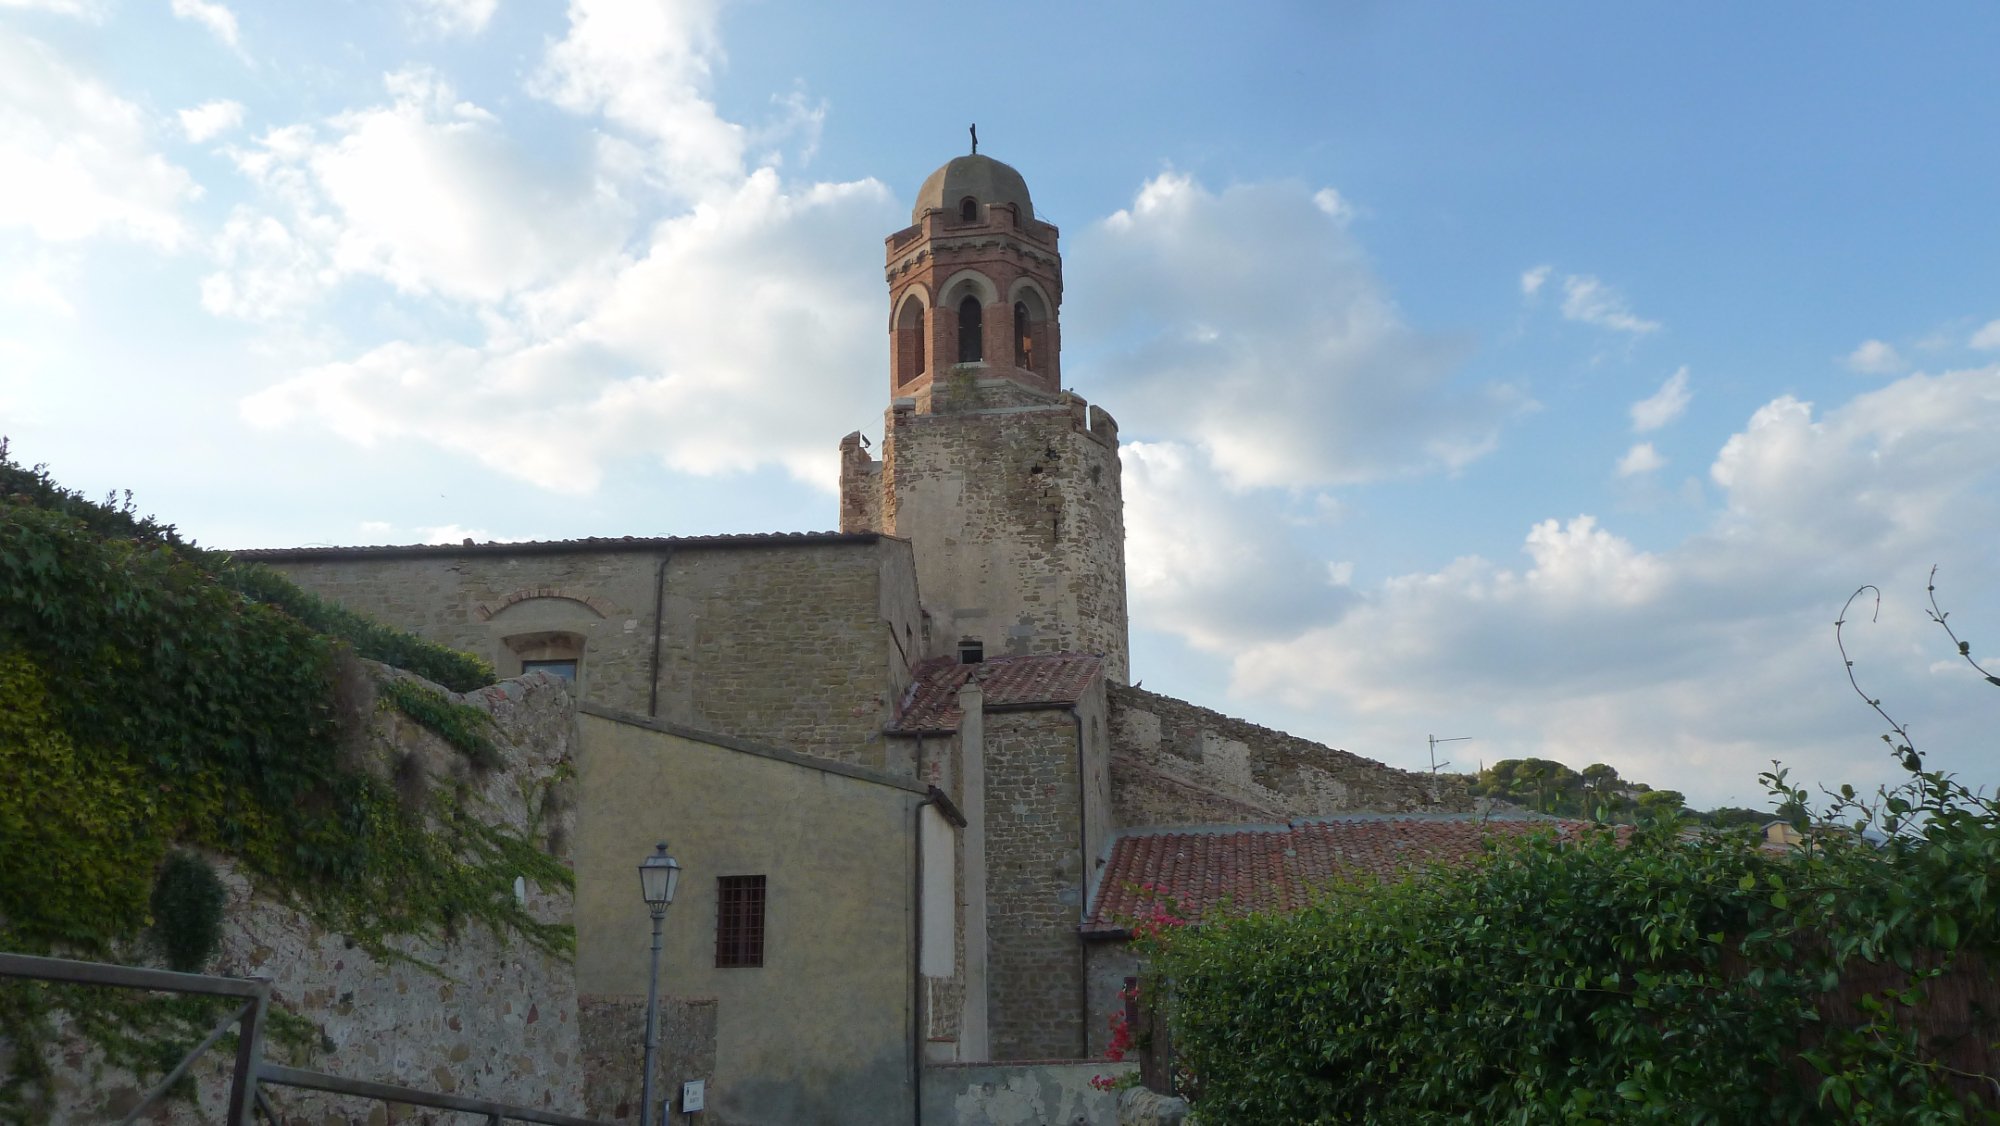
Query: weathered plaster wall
pixel 477 1014
pixel 823 1031
pixel 1017 518
pixel 806 645
pixel 1021 1094
pixel 1174 763
pixel 1034 885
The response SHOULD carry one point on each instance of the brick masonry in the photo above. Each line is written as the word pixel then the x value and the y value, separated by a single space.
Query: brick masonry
pixel 1176 763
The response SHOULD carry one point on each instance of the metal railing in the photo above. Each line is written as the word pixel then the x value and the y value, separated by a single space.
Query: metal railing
pixel 252 1072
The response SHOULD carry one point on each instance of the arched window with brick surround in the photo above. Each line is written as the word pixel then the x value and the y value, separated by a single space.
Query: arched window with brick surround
pixel 1033 336
pixel 971 331
pixel 968 209
pixel 912 344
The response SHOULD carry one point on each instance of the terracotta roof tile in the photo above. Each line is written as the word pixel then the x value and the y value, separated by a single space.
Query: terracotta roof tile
pixel 1283 867
pixel 931 705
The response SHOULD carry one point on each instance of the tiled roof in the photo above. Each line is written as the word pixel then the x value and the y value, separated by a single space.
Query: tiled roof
pixel 1282 867
pixel 555 547
pixel 931 705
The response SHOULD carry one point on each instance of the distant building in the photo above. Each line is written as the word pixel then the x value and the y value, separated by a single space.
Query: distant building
pixel 898 760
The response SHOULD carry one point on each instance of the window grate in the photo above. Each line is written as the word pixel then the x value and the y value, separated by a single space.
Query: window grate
pixel 739 921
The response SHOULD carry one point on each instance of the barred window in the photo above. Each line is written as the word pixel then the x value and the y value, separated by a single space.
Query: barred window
pixel 739 921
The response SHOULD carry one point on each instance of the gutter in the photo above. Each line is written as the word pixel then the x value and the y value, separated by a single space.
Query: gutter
pixel 659 609
pixel 951 813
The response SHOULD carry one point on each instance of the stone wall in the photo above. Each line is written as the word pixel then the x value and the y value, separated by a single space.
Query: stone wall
pixel 1034 885
pixel 1016 514
pixel 860 487
pixel 1042 1093
pixel 783 645
pixel 475 1014
pixel 1175 763
pixel 797 641
pixel 613 1032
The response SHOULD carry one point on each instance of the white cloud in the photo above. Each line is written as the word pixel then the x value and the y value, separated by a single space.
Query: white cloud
pixel 1664 405
pixel 78 158
pixel 1250 323
pixel 1202 586
pixel 1590 301
pixel 267 271
pixel 1533 280
pixel 1670 663
pixel 1874 357
pixel 426 192
pixel 211 119
pixel 665 301
pixel 39 283
pixel 216 17
pixel 1334 204
pixel 455 17
pixel 646 68
pixel 1641 459
pixel 1987 339
pixel 727 343
pixel 91 10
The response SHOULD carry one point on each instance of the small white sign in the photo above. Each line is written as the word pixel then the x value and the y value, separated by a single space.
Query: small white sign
pixel 691 1094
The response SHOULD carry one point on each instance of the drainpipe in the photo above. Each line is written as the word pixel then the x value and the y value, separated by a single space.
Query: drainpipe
pixel 917 964
pixel 950 813
pixel 659 607
pixel 1083 859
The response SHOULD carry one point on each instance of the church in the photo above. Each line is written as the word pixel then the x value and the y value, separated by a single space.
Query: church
pixel 900 763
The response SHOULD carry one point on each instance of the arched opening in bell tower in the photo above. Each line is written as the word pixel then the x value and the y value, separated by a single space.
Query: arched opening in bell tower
pixel 971 331
pixel 911 339
pixel 1032 340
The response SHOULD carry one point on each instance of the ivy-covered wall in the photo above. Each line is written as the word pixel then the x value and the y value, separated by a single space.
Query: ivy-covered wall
pixel 202 766
pixel 477 1011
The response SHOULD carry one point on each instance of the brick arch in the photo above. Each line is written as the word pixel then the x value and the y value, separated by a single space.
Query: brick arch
pixel 485 611
pixel 967 280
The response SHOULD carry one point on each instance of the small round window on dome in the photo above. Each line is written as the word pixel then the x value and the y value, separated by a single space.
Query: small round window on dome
pixel 968 209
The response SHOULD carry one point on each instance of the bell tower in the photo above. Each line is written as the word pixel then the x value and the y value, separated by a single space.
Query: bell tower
pixel 974 285
pixel 1007 486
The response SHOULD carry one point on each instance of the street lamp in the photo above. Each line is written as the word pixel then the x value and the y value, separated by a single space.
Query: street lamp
pixel 659 875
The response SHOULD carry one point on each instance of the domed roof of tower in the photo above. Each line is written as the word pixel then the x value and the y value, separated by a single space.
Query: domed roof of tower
pixel 981 177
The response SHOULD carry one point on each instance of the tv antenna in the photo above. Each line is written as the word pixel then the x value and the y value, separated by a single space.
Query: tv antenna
pixel 1434 740
pixel 1436 795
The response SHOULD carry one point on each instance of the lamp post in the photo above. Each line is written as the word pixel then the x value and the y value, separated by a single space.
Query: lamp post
pixel 659 875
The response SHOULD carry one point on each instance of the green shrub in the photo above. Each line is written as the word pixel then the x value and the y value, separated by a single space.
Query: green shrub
pixel 1553 979
pixel 1681 977
pixel 187 911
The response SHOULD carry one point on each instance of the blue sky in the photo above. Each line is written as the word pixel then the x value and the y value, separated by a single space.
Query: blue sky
pixel 1542 374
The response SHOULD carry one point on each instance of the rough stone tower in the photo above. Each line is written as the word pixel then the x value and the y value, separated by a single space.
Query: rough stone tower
pixel 1007 485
